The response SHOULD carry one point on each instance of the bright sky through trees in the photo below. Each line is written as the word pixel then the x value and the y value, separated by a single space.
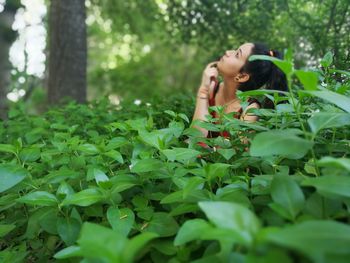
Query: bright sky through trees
pixel 27 53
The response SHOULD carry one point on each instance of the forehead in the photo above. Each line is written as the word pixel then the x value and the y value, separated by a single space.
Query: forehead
pixel 246 49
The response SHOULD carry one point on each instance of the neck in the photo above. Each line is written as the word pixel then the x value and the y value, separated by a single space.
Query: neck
pixel 229 90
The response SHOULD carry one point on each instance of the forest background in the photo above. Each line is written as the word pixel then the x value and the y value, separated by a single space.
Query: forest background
pixel 141 49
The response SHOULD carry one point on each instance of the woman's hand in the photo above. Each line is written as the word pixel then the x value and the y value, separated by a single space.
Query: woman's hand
pixel 210 72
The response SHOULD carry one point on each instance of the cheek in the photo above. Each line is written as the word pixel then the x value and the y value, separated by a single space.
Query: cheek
pixel 230 67
pixel 235 66
pixel 238 65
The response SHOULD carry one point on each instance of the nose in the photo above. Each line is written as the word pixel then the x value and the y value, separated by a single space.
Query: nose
pixel 229 52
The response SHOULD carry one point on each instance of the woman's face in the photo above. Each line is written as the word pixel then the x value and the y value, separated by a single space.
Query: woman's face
pixel 233 60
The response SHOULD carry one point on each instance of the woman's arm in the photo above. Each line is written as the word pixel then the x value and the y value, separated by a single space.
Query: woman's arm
pixel 202 105
pixel 204 91
pixel 249 117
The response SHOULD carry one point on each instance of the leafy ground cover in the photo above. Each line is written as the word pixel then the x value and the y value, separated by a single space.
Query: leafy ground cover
pixel 95 183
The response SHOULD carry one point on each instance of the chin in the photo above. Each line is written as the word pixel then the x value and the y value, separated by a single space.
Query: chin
pixel 218 65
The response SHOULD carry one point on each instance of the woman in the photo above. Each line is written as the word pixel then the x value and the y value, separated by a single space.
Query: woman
pixel 238 74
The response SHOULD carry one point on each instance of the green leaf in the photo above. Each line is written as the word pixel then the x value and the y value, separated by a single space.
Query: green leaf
pixel 88 149
pixel 163 224
pixel 182 155
pixel 64 189
pixel 68 252
pixel 330 185
pixel 166 247
pixel 7 148
pixel 115 155
pixel 216 170
pixel 101 243
pixel 226 153
pixel 280 142
pixel 280 210
pixel 232 216
pixel 175 129
pixel 287 193
pixel 233 192
pixel 30 154
pixel 10 175
pixel 60 175
pixel 135 245
pixel 40 198
pixel 260 185
pixel 184 117
pixel 315 238
pixel 320 207
pixel 191 230
pixel 154 138
pixel 137 124
pixel 48 221
pixel 193 184
pixel 147 165
pixel 341 163
pixel 192 197
pixel 309 79
pixel 261 92
pixel 59 126
pixel 285 66
pixel 121 220
pixel 327 59
pixel 68 229
pixel 170 112
pixel 323 120
pixel 36 218
pixel 5 229
pixel 84 198
pixel 116 143
pixel 122 182
pixel 337 99
pixel 99 176
pixel 183 209
pixel 272 255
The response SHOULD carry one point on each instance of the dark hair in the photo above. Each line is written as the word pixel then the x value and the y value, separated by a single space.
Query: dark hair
pixel 263 72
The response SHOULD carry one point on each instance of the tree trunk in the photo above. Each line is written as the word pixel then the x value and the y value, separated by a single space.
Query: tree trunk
pixel 7 36
pixel 67 51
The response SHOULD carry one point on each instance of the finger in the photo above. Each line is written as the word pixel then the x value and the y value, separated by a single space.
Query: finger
pixel 213 73
pixel 212 70
pixel 212 83
pixel 212 64
pixel 211 88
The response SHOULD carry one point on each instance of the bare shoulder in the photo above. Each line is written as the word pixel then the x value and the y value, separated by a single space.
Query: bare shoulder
pixel 253 105
pixel 250 117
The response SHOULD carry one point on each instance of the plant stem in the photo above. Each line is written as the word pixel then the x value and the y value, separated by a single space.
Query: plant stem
pixel 289 79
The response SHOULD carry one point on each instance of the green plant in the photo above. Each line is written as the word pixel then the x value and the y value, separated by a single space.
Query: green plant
pixel 93 183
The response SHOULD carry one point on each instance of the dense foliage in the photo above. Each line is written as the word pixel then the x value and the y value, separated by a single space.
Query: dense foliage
pixel 95 183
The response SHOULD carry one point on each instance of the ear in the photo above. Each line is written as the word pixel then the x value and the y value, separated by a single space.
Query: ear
pixel 242 77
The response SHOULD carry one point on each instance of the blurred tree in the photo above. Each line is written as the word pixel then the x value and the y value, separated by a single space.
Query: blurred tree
pixel 67 51
pixel 131 53
pixel 311 28
pixel 131 17
pixel 143 48
pixel 7 37
pixel 325 25
pixel 224 24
